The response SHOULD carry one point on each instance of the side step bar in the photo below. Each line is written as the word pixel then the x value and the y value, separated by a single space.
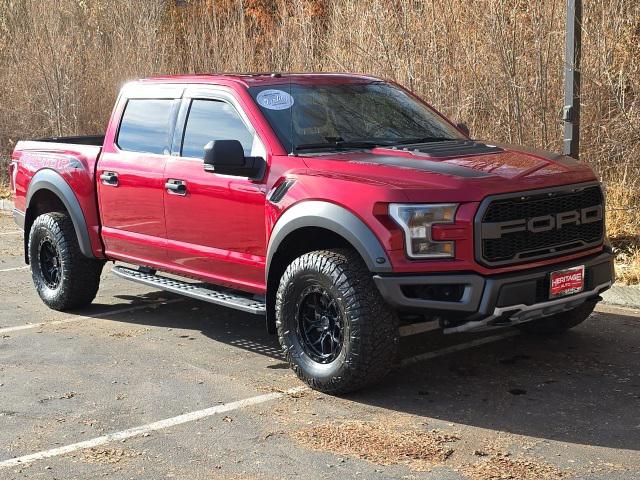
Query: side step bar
pixel 226 298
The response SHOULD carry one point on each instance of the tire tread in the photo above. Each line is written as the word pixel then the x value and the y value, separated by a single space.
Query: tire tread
pixel 374 326
pixel 80 275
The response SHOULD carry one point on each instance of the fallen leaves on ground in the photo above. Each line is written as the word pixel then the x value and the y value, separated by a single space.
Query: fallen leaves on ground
pixel 500 467
pixel 379 443
pixel 108 455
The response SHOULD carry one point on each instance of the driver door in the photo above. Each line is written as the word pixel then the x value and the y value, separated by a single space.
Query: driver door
pixel 215 223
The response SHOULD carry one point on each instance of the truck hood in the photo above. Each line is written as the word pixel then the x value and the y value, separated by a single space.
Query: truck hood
pixel 422 176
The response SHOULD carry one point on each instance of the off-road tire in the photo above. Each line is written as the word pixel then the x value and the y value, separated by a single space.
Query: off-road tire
pixel 370 327
pixel 79 276
pixel 560 322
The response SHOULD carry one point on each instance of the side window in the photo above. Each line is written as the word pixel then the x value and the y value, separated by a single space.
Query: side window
pixel 213 120
pixel 145 126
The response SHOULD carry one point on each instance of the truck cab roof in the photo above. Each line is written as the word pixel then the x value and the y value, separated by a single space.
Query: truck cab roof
pixel 259 79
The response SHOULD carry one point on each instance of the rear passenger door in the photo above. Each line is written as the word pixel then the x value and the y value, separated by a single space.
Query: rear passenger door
pixel 215 223
pixel 130 177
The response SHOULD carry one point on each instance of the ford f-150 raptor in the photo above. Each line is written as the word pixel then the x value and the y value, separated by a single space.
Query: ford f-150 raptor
pixel 337 206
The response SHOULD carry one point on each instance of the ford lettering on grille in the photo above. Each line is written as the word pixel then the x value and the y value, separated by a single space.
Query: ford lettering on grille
pixel 543 223
pixel 529 226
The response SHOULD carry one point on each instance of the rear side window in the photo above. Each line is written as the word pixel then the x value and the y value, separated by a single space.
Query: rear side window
pixel 146 125
pixel 213 120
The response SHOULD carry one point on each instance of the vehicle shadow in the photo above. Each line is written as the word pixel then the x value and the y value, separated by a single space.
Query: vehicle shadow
pixel 242 330
pixel 582 387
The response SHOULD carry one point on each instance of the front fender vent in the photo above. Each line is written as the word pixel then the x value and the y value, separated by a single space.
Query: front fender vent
pixel 281 190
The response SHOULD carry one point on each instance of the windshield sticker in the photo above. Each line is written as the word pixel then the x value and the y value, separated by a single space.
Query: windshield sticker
pixel 274 99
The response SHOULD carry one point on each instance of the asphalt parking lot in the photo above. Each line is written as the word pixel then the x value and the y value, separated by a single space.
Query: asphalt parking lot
pixel 149 385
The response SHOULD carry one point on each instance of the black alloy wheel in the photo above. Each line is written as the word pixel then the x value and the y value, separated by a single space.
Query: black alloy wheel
pixel 335 329
pixel 64 278
pixel 50 263
pixel 320 325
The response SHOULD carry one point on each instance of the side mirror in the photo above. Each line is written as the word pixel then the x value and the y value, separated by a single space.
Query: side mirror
pixel 463 128
pixel 226 157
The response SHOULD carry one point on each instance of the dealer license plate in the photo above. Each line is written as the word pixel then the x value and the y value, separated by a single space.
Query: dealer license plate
pixel 566 282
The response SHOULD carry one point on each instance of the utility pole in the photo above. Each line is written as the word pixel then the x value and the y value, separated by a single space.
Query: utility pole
pixel 573 52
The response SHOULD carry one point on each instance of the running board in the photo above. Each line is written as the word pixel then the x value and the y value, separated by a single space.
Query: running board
pixel 226 298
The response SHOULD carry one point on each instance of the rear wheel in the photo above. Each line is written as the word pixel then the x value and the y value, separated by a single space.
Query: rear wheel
pixel 337 333
pixel 560 322
pixel 64 278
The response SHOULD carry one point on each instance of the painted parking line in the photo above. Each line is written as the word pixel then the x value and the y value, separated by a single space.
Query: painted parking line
pixel 79 318
pixel 16 232
pixel 456 348
pixel 150 427
pixel 24 267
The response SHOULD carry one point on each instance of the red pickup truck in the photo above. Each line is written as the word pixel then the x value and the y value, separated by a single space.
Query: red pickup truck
pixel 337 206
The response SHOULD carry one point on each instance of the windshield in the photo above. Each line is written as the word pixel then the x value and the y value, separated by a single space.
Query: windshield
pixel 307 117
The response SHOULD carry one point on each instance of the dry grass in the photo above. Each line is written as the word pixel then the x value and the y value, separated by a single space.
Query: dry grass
pixel 623 203
pixel 628 263
pixel 379 443
pixel 623 227
pixel 498 66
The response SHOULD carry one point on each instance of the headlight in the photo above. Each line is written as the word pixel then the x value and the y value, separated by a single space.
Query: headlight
pixel 416 221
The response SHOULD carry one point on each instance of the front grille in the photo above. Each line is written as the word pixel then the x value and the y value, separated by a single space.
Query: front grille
pixel 522 244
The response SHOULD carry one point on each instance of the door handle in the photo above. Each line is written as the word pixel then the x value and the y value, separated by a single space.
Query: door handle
pixel 109 178
pixel 176 187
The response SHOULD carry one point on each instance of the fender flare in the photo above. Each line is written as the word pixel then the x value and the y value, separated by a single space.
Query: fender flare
pixel 51 180
pixel 315 213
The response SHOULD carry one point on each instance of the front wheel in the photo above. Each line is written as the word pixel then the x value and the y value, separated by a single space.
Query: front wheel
pixel 64 278
pixel 336 331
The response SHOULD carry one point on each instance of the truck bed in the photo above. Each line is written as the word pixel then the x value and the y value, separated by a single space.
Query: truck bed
pixel 68 163
pixel 96 140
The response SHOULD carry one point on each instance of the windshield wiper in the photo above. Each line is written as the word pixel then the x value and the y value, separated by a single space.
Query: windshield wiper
pixel 338 145
pixel 345 144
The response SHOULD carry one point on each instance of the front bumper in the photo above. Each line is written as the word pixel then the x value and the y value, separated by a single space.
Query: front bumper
pixel 478 303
